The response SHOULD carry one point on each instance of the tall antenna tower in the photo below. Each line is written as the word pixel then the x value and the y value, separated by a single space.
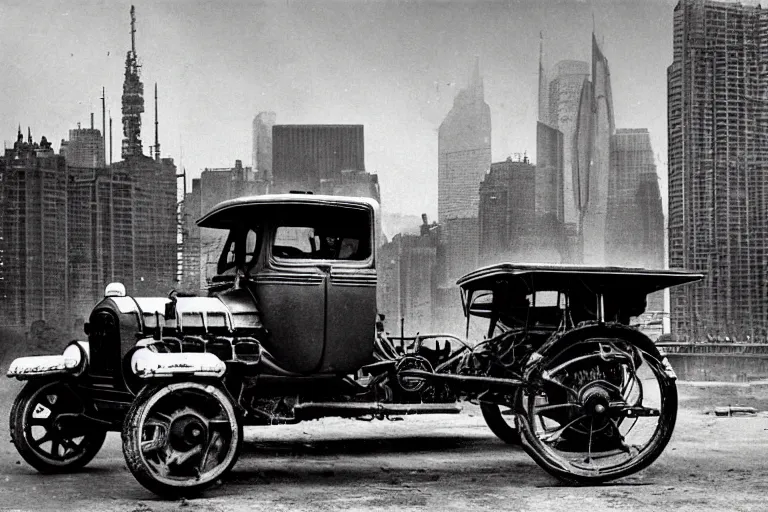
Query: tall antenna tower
pixel 133 98
pixel 157 137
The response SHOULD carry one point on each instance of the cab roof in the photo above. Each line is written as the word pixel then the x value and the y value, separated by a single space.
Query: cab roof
pixel 225 213
pixel 561 276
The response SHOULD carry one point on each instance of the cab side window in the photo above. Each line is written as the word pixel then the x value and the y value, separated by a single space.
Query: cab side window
pixel 240 249
pixel 323 233
pixel 304 242
pixel 251 248
pixel 228 255
pixel 294 242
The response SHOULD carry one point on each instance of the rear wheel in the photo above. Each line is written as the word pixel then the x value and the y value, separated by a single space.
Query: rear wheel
pixel 46 431
pixel 502 422
pixel 602 404
pixel 180 438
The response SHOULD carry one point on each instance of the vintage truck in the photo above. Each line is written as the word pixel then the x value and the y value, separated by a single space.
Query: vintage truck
pixel 289 332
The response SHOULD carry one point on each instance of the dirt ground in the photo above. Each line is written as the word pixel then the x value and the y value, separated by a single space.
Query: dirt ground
pixel 424 463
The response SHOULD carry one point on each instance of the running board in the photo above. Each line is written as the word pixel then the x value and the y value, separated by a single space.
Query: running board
pixel 315 410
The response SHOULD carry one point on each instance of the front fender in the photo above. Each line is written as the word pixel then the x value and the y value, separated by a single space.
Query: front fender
pixel 73 361
pixel 148 364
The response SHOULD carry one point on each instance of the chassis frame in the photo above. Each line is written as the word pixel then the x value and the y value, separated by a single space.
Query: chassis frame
pixel 589 398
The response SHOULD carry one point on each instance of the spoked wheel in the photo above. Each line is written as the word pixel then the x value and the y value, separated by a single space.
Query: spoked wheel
pixel 46 431
pixel 502 421
pixel 602 405
pixel 180 438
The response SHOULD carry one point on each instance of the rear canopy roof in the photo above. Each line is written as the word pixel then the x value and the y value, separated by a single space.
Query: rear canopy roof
pixel 623 280
pixel 225 214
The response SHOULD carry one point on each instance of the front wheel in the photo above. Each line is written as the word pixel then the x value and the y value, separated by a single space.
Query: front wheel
pixel 179 438
pixel 601 405
pixel 46 431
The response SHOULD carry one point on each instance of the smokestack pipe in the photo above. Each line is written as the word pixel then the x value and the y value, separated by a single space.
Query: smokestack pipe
pixel 110 138
pixel 91 120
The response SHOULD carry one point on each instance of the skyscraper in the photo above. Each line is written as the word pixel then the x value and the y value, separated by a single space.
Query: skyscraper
pixel 574 132
pixel 558 202
pixel 718 167
pixel 33 234
pixel 85 147
pixel 101 215
pixel 262 144
pixel 153 210
pixel 305 157
pixel 555 245
pixel 634 229
pixel 591 157
pixel 506 213
pixel 464 156
pixel 564 96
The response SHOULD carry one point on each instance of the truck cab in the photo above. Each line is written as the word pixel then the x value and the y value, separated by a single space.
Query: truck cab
pixel 304 266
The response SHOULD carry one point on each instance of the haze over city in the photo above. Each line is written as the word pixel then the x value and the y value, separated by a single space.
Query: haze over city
pixel 394 68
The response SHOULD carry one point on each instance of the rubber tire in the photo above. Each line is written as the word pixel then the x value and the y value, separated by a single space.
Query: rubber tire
pixel 553 349
pixel 498 425
pixel 17 423
pixel 131 438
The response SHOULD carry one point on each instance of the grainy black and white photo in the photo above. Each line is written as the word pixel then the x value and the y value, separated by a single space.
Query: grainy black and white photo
pixel 319 255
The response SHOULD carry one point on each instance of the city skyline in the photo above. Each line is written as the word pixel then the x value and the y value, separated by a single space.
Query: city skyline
pixel 401 66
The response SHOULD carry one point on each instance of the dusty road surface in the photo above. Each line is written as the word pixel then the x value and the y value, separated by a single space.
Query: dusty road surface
pixel 424 463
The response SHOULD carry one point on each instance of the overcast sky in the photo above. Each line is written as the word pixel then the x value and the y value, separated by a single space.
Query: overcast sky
pixel 392 66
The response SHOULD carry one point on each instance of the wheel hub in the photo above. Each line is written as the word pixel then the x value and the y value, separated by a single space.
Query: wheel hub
pixel 187 431
pixel 595 400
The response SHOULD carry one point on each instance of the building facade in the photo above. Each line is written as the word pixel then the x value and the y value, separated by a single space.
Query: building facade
pixel 262 144
pixel 306 156
pixel 407 280
pixel 33 235
pixel 562 104
pixel 101 224
pixel 85 148
pixel 635 222
pixel 558 246
pixel 507 213
pixel 152 228
pixel 352 183
pixel 718 168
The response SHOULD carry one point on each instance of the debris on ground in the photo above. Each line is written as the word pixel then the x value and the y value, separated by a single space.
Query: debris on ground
pixel 731 410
